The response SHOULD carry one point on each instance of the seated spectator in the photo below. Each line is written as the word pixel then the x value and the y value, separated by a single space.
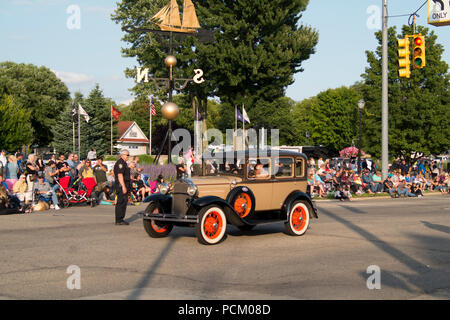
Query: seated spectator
pixel 356 186
pixel 389 186
pixel 378 185
pixel 368 184
pixel 341 194
pixel 141 189
pixel 86 170
pixel 416 190
pixel 20 190
pixel 7 198
pixel 403 189
pixel 43 189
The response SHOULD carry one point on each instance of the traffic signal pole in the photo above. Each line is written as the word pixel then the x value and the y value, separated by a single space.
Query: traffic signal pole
pixel 384 98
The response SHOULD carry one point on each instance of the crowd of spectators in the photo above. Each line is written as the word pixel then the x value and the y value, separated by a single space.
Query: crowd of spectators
pixel 24 183
pixel 340 178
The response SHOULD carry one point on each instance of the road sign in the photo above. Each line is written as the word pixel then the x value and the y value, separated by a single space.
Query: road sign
pixel 439 12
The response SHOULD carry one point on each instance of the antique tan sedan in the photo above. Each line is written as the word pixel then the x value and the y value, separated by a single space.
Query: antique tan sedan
pixel 235 188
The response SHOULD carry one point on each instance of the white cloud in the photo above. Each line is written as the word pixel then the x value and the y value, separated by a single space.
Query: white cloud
pixel 126 102
pixel 72 77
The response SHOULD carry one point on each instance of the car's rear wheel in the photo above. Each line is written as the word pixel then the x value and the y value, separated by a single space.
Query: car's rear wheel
pixel 212 225
pixel 298 219
pixel 155 228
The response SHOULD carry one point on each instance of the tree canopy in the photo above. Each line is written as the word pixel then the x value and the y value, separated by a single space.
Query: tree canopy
pixel 418 106
pixel 38 90
pixel 15 125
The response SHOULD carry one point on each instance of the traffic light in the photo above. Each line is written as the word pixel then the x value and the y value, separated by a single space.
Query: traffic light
pixel 419 52
pixel 403 58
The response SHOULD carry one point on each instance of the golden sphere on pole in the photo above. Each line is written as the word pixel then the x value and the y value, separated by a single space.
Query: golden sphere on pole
pixel 170 111
pixel 170 61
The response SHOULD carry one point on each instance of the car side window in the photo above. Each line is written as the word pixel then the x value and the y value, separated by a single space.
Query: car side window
pixel 258 169
pixel 283 168
pixel 299 168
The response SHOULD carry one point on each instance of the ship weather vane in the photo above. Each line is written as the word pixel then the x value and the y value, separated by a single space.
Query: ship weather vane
pixel 169 22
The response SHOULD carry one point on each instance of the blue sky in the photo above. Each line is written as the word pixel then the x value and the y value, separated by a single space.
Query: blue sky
pixel 36 31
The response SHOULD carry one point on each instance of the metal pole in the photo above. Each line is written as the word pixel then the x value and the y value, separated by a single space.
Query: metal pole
pixel 384 98
pixel 79 144
pixel 150 127
pixel 359 141
pixel 169 152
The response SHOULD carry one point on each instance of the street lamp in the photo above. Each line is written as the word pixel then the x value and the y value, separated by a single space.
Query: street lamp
pixel 361 104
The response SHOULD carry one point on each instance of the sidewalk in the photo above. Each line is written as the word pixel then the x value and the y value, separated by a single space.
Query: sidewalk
pixel 387 196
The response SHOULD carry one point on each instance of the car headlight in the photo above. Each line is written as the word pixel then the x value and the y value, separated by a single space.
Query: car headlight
pixel 192 190
pixel 163 188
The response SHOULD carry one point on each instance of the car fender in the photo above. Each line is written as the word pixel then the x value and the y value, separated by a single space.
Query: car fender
pixel 232 216
pixel 294 196
pixel 164 200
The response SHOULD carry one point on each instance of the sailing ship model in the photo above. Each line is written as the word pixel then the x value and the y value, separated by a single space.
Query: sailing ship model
pixel 168 18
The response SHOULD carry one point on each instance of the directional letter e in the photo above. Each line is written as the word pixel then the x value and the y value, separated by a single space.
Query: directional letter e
pixel 74 281
pixel 374 281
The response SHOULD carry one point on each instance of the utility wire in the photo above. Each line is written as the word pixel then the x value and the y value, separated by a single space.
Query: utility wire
pixel 410 14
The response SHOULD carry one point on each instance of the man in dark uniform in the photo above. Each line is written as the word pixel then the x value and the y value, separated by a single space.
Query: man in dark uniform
pixel 122 183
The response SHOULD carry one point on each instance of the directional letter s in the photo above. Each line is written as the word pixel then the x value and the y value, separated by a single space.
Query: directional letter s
pixel 198 78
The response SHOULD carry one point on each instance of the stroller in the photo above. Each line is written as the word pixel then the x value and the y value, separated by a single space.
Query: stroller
pixel 80 191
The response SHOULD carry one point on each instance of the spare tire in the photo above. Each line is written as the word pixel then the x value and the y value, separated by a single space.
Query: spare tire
pixel 242 201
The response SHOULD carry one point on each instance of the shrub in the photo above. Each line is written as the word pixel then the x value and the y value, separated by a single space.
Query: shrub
pixel 146 159
pixel 168 171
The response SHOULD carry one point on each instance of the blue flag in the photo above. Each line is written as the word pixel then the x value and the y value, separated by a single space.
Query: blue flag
pixel 239 116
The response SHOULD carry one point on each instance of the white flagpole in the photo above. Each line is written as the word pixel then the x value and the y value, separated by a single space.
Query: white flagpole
pixel 73 134
pixel 111 131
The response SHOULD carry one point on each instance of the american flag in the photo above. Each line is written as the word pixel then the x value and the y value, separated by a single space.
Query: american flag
pixel 152 106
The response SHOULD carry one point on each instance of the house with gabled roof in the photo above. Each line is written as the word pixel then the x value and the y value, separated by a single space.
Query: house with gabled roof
pixel 132 138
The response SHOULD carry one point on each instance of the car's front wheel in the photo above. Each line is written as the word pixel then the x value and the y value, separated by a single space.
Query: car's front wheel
pixel 298 219
pixel 155 228
pixel 212 225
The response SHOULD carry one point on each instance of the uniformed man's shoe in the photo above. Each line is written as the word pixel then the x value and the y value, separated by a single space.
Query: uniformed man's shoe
pixel 122 223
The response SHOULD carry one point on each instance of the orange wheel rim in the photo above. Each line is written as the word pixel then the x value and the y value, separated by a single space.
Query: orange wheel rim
pixel 213 225
pixel 299 218
pixel 158 228
pixel 243 204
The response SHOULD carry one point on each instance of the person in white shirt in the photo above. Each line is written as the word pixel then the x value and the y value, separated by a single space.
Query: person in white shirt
pixel 3 159
pixel 92 155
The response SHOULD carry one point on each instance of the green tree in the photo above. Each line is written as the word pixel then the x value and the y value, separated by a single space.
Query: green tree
pixel 38 90
pixel 259 46
pixel 332 118
pixel 418 106
pixel 97 132
pixel 15 125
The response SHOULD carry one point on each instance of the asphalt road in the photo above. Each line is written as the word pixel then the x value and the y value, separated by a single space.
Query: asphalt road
pixel 408 239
